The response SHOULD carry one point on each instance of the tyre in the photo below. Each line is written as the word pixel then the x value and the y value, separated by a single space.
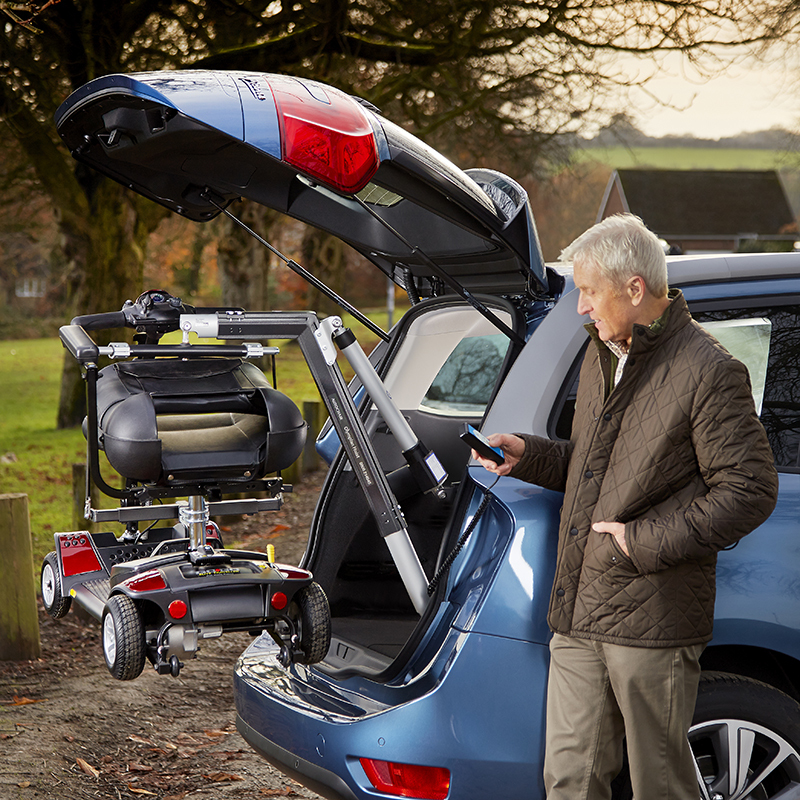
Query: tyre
pixel 313 616
pixel 55 604
pixel 746 739
pixel 123 638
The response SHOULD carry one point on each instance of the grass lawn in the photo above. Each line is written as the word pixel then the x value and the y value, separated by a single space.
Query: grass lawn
pixel 689 158
pixel 41 464
pixel 30 379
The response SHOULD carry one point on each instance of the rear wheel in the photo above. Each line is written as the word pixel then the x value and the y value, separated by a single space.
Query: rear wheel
pixel 313 617
pixel 746 739
pixel 123 638
pixel 55 604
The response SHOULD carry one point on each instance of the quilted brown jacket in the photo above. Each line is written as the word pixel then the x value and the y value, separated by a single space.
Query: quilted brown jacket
pixel 677 453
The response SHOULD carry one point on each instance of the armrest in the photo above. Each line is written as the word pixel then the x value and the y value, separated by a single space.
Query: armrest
pixel 79 343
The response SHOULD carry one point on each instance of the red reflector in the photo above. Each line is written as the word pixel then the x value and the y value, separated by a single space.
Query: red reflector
pixel 177 609
pixel 330 139
pixel 77 554
pixel 407 780
pixel 279 601
pixel 147 582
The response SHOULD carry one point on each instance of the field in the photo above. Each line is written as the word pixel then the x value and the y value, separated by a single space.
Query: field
pixel 690 158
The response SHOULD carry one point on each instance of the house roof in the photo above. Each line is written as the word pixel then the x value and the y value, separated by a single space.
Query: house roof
pixel 707 202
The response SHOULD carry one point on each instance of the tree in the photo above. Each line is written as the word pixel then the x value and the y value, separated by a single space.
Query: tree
pixel 471 76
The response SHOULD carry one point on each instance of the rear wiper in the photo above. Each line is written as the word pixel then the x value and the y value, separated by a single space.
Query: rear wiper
pixel 301 271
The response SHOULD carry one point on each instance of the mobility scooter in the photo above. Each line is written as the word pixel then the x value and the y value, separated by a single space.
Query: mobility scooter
pixel 200 421
pixel 194 421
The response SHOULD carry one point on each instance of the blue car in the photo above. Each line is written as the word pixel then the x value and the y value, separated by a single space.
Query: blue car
pixel 437 577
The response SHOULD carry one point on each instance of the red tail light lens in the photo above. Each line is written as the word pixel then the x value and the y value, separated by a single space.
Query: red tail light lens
pixel 279 601
pixel 327 137
pixel 178 609
pixel 151 581
pixel 407 780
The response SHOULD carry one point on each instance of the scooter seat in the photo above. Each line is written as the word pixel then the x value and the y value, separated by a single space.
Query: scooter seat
pixel 201 421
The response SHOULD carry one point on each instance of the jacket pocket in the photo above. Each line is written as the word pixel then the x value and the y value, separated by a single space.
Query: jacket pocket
pixel 606 560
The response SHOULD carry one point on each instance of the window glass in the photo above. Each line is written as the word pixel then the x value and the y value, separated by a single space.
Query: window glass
pixel 747 340
pixel 767 341
pixel 779 386
pixel 464 384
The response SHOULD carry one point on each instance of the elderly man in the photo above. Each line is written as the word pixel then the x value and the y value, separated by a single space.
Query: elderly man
pixel 667 464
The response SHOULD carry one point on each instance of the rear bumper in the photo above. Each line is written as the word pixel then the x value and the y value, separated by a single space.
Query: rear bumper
pixel 483 720
pixel 319 780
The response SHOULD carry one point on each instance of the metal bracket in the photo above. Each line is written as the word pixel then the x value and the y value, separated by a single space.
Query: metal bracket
pixel 324 336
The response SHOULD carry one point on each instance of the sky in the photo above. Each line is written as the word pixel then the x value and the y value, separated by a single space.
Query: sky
pixel 746 96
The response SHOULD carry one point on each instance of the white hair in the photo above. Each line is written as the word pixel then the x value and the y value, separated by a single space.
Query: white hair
pixel 621 246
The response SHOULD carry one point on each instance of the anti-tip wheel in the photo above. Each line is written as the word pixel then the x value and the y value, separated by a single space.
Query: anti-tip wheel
pixel 314 620
pixel 55 604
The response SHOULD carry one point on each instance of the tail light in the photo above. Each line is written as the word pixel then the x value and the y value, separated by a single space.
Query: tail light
pixel 327 137
pixel 407 780
pixel 150 581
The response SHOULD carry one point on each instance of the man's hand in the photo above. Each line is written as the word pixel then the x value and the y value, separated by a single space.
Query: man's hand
pixel 616 529
pixel 513 448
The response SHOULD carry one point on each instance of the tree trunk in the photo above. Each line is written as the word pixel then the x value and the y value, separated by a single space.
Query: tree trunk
pixel 244 263
pixel 324 256
pixel 110 263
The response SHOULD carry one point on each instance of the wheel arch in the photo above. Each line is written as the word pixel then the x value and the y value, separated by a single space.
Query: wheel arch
pixel 776 669
pixel 152 614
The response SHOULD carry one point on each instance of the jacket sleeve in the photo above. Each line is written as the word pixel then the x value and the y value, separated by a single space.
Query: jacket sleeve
pixel 544 462
pixel 737 466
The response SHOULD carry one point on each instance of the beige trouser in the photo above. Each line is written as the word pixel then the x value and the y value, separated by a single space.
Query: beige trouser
pixel 597 694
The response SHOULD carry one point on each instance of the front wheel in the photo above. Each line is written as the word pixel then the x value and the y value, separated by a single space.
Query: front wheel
pixel 313 616
pixel 55 604
pixel 746 740
pixel 123 638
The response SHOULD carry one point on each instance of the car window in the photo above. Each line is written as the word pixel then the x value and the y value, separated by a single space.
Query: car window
pixel 464 384
pixel 771 335
pixel 748 340
pixel 767 340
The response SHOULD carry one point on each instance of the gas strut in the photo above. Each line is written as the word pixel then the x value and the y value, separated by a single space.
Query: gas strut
pixel 463 293
pixel 302 271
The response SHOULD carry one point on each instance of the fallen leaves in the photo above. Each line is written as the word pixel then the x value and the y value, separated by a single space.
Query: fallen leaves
pixel 140 740
pixel 23 701
pixel 134 767
pixel 214 733
pixel 87 768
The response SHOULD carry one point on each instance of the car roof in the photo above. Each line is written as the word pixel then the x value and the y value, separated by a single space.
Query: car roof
pixel 556 343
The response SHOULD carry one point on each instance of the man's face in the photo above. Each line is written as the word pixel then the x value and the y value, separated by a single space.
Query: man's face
pixel 610 307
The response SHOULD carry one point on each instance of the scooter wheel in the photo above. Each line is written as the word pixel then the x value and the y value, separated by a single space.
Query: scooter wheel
pixel 123 638
pixel 315 624
pixel 55 604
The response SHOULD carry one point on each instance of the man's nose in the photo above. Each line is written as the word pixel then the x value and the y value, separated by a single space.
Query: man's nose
pixel 583 306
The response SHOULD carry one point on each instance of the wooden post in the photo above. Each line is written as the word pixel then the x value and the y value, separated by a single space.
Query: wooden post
pixel 19 623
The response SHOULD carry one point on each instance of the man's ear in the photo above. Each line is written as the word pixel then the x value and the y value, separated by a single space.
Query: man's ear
pixel 636 289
